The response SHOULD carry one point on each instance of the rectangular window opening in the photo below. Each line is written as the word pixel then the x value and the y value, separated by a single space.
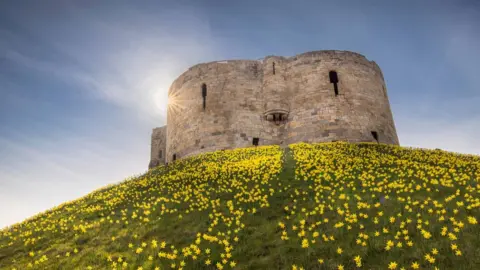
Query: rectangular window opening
pixel 204 95
pixel 375 135
pixel 174 157
pixel 333 76
pixel 160 154
pixel 334 79
pixel 255 141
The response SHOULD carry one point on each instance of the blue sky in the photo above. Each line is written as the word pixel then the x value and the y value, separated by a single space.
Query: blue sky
pixel 82 83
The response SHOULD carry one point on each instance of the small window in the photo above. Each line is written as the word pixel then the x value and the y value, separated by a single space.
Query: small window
pixel 174 157
pixel 204 95
pixel 204 90
pixel 273 68
pixel 334 79
pixel 255 141
pixel 375 135
pixel 160 154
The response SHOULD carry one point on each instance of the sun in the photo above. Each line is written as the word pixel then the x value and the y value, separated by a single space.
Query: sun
pixel 176 103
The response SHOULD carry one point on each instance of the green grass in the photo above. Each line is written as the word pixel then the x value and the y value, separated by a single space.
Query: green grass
pixel 267 180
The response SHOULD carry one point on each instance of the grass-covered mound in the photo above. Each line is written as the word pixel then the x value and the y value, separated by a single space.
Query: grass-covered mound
pixel 315 206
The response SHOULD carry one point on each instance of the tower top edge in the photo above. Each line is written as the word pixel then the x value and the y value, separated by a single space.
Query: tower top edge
pixel 319 53
pixel 287 58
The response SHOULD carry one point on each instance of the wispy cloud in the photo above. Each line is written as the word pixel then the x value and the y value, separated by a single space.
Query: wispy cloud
pixel 122 60
pixel 138 59
pixel 128 63
pixel 44 172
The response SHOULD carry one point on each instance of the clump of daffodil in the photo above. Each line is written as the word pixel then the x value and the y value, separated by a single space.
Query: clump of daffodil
pixel 382 197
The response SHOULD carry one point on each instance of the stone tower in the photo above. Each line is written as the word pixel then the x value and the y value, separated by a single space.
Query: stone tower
pixel 318 96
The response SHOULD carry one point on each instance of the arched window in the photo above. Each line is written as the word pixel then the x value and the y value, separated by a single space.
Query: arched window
pixel 334 79
pixel 204 95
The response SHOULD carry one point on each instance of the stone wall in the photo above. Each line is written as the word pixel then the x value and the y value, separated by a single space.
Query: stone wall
pixel 158 147
pixel 361 106
pixel 279 100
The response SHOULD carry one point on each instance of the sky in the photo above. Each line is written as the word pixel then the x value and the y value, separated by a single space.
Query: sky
pixel 83 83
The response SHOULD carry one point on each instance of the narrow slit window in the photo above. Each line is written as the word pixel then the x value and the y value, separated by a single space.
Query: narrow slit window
pixel 204 95
pixel 375 135
pixel 160 154
pixel 255 141
pixel 174 157
pixel 273 68
pixel 334 79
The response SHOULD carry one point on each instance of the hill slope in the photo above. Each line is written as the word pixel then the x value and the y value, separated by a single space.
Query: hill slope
pixel 315 206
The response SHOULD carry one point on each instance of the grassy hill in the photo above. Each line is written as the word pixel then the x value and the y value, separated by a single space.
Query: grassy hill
pixel 312 206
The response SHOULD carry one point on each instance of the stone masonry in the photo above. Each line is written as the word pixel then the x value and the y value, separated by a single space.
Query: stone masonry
pixel 159 146
pixel 318 96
